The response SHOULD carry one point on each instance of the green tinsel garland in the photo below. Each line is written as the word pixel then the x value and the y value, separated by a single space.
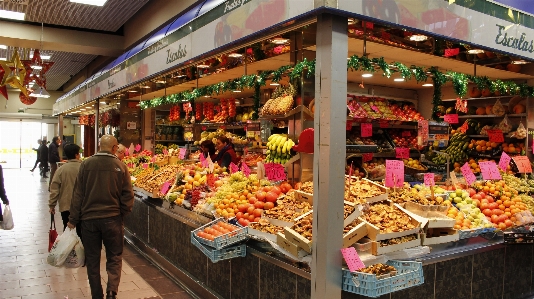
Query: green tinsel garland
pixel 438 79
pixel 420 74
pixel 383 65
pixel 459 83
pixel 405 72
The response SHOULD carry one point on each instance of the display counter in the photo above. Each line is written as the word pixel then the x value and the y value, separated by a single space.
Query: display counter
pixel 481 267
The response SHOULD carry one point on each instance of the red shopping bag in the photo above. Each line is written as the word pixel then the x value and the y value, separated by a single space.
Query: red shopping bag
pixel 52 233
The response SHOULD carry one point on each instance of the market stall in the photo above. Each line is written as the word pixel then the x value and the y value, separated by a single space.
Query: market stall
pixel 432 173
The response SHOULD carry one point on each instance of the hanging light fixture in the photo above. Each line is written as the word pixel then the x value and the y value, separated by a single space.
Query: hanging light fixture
pixel 39 92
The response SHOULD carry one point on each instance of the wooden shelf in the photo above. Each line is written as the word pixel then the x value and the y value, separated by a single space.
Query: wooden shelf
pixel 481 98
pixel 492 116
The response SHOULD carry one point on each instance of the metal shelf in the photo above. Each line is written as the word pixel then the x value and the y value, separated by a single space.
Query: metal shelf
pixel 492 116
pixel 481 98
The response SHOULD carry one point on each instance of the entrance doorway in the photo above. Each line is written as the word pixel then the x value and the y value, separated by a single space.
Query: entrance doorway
pixel 18 139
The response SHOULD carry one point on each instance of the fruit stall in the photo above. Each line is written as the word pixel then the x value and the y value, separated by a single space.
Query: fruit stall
pixel 423 144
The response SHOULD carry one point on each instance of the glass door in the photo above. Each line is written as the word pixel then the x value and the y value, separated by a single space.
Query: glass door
pixel 17 141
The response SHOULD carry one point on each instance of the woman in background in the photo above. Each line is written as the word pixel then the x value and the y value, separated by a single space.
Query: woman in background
pixel 208 149
pixel 226 153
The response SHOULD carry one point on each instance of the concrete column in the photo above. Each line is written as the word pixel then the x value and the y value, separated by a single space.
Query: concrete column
pixel 60 134
pixel 97 116
pixel 329 152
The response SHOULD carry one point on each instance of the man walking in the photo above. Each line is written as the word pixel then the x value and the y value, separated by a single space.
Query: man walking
pixel 101 198
pixel 53 157
pixel 43 157
pixel 63 184
pixel 39 141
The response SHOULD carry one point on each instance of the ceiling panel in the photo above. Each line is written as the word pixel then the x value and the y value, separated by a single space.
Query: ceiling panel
pixel 109 17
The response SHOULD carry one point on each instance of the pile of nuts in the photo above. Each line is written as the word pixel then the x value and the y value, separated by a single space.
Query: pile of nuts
pixel 264 226
pixel 304 226
pixel 354 223
pixel 347 210
pixel 153 181
pixel 307 187
pixel 288 209
pixel 379 269
pixel 359 190
pixel 398 240
pixel 388 218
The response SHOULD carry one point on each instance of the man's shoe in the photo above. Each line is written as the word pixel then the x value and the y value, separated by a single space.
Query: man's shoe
pixel 45 177
pixel 111 295
pixel 32 170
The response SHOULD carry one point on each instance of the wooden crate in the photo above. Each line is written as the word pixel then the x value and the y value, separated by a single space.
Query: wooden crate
pixel 355 234
pixel 374 234
pixel 290 247
pixel 440 235
pixel 376 249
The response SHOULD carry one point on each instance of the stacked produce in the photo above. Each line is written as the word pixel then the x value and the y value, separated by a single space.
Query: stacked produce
pixel 281 102
pixel 175 113
pixel 288 208
pixel 458 145
pixel 279 149
pixel 236 140
pixel 153 182
pixel 403 138
pixel 198 111
pixel 388 218
pixel 252 159
pixel 376 168
pixel 358 191
pixel 419 194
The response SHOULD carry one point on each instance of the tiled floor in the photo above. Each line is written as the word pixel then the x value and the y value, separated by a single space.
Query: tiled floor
pixel 24 273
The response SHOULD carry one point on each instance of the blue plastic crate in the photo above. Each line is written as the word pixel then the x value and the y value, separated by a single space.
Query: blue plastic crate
pixel 409 274
pixel 220 242
pixel 223 254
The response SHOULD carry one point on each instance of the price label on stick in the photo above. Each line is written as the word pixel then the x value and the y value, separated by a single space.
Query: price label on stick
pixel 153 159
pixel 489 170
pixel 367 157
pixel 367 129
pixel 233 168
pixel 145 165
pixel 275 172
pixel 523 164
pixel 352 259
pixel 402 153
pixel 394 173
pixel 375 108
pixel 202 158
pixel 504 161
pixel 429 179
pixel 451 118
pixel 165 152
pixel 495 136
pixel 468 174
pixel 182 153
pixel 245 169
pixel 138 148
pixel 165 187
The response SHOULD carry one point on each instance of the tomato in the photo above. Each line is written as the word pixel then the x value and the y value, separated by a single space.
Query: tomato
pixel 484 206
pixel 246 222
pixel 286 187
pixel 268 205
pixel 252 200
pixel 239 215
pixel 258 212
pixel 493 206
pixel 508 223
pixel 276 190
pixel 267 188
pixel 490 199
pixel 250 209
pixel 251 218
pixel 257 219
pixel 260 195
pixel 242 208
pixel 271 197
pixel 487 212
pixel 494 218
pixel 259 205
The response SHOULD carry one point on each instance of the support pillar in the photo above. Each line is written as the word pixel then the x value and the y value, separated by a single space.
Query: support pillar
pixel 97 117
pixel 329 152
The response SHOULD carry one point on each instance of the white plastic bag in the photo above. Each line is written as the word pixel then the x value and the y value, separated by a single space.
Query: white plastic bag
pixel 76 257
pixel 62 248
pixel 8 218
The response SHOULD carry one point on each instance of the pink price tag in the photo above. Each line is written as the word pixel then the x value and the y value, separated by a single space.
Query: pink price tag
pixel 138 148
pixel 182 153
pixel 394 173
pixel 349 125
pixel 468 174
pixel 367 129
pixel 245 169
pixel 429 179
pixel 126 152
pixel 451 118
pixel 275 172
pixel 367 157
pixel 489 170
pixel 452 52
pixel 383 124
pixel 153 159
pixel 352 259
pixel 233 168
pixel 523 164
pixel 202 158
pixel 165 188
pixel 165 152
pixel 504 161
pixel 145 165
pixel 406 134
pixel 495 136
pixel 375 108
pixel 402 153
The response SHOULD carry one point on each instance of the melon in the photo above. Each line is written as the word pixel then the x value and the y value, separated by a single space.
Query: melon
pixel 474 92
pixel 519 108
pixel 481 111
pixel 489 109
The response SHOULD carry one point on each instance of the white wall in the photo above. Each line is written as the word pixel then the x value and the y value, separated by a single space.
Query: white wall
pixel 41 106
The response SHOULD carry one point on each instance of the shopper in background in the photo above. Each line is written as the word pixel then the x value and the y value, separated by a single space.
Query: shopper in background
pixel 63 184
pixel 102 197
pixel 226 153
pixel 121 152
pixel 3 195
pixel 53 157
pixel 208 149
pixel 43 157
pixel 37 151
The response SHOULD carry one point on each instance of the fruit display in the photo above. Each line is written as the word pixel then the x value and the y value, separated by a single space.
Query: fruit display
pixel 520 133
pixel 376 168
pixel 382 144
pixel 388 218
pixel 288 208
pixel 175 113
pixel 484 147
pixel 469 215
pixel 413 163
pixel 458 145
pixel 514 148
pixel 438 158
pixel 418 194
pixel 400 138
pixel 357 171
pixel 279 149
pixel 282 101
pixel 252 159
pixel 217 230
pixel 263 225
pixel 355 109
pixel 152 181
pixel 235 139
pixel 398 240
pixel 304 226
pixel 307 187
pixel 520 184
pixel 358 191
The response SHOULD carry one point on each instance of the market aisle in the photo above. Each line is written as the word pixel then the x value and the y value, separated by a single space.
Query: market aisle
pixel 24 272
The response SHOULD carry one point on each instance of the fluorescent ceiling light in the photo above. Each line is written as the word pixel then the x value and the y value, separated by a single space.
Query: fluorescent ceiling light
pixel 131 90
pixel 40 93
pixel 3 47
pixel 274 84
pixel 146 86
pixel 398 79
pixel 235 55
pixel 6 14
pixel 367 75
pixel 158 82
pixel 418 38
pixel 428 84
pixel 279 41
pixel 520 62
pixel 475 51
pixel 45 57
pixel 3 59
pixel 91 2
pixel 102 102
pixel 203 66
pixel 237 90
